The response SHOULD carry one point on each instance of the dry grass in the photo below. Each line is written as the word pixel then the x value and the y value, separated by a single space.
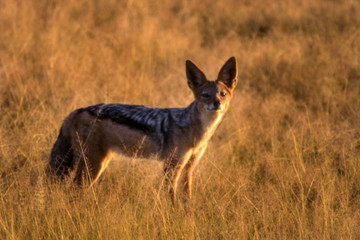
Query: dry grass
pixel 284 164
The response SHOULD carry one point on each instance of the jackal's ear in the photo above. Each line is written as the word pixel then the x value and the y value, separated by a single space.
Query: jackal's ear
pixel 195 77
pixel 228 73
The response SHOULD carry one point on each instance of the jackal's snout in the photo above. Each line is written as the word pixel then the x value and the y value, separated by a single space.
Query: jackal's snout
pixel 217 104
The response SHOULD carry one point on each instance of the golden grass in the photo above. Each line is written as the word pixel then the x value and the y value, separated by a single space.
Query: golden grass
pixel 284 163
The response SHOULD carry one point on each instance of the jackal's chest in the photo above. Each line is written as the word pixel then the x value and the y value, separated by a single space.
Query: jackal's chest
pixel 209 125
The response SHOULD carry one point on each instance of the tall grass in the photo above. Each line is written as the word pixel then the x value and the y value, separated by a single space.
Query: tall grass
pixel 284 163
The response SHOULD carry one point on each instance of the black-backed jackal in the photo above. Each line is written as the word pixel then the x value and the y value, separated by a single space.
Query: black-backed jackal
pixel 177 136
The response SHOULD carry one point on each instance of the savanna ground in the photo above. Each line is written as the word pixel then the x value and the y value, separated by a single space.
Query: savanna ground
pixel 284 163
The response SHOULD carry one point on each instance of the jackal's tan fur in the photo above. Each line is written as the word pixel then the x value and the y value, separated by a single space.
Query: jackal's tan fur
pixel 178 136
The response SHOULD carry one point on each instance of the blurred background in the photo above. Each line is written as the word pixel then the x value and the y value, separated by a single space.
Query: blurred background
pixel 283 164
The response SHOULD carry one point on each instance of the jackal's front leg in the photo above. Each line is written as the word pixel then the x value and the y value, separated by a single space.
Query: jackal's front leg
pixel 186 180
pixel 172 170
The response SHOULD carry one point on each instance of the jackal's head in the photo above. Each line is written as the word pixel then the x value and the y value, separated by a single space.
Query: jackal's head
pixel 212 96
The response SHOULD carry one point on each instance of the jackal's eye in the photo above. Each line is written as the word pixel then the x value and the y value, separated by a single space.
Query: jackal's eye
pixel 205 95
pixel 222 93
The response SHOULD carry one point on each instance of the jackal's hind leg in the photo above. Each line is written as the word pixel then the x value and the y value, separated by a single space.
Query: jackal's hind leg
pixel 96 160
pixel 79 172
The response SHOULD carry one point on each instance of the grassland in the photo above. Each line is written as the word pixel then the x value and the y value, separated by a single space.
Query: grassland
pixel 284 163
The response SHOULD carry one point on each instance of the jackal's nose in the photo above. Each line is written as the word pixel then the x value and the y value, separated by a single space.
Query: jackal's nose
pixel 217 103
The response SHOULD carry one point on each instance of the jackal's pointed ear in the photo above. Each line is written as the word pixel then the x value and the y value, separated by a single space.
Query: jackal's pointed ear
pixel 228 73
pixel 195 77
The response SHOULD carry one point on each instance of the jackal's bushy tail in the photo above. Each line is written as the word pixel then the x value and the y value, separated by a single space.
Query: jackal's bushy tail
pixel 61 158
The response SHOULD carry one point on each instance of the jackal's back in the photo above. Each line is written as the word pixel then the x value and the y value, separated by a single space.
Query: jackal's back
pixel 157 123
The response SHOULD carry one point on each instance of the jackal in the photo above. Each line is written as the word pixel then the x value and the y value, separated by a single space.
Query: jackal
pixel 177 136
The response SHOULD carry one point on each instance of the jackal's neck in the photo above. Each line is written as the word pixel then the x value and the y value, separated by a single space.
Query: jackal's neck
pixel 206 122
